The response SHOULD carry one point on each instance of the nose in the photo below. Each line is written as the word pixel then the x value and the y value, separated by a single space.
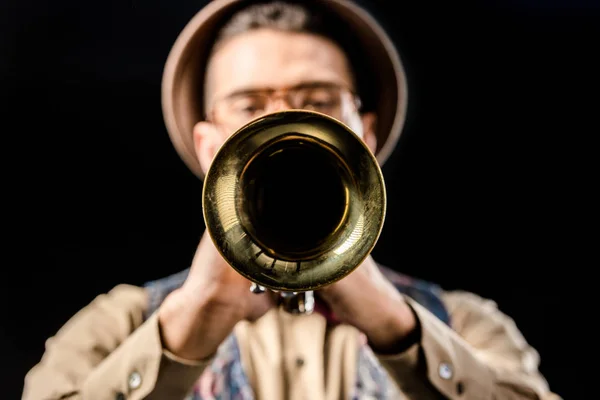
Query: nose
pixel 279 103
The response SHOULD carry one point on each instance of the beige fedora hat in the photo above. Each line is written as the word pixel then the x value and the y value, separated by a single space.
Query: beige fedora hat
pixel 183 75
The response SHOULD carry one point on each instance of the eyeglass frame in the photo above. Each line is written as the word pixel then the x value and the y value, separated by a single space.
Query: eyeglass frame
pixel 274 94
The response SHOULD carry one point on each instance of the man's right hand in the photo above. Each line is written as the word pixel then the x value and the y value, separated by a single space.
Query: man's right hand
pixel 196 318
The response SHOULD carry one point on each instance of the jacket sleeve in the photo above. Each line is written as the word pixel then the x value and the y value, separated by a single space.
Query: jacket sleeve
pixel 483 355
pixel 106 352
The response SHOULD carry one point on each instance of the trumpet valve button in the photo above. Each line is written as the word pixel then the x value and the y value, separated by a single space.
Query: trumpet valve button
pixel 256 288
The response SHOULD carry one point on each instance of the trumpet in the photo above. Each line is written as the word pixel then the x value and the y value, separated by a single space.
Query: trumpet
pixel 294 201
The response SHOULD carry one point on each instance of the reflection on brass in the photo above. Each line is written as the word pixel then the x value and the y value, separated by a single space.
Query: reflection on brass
pixel 294 201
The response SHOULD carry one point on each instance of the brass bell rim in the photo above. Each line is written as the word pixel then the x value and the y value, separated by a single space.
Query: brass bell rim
pixel 240 249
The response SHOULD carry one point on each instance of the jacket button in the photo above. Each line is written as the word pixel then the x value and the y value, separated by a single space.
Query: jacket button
pixel 135 380
pixel 445 371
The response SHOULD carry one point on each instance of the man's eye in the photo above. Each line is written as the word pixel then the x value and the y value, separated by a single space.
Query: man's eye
pixel 248 106
pixel 250 109
pixel 319 103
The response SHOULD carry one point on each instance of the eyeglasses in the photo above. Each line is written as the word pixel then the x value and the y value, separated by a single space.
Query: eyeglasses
pixel 241 107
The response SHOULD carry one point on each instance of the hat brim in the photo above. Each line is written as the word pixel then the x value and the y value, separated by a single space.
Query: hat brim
pixel 184 72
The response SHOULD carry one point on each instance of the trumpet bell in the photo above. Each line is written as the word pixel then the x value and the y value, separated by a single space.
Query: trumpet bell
pixel 294 201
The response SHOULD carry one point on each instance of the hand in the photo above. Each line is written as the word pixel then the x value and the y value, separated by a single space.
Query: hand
pixel 196 318
pixel 366 300
pixel 212 278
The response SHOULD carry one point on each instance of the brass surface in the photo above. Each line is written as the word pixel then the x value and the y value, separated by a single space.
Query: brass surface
pixel 294 201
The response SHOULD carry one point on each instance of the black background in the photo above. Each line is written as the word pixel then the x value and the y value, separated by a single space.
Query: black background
pixel 482 191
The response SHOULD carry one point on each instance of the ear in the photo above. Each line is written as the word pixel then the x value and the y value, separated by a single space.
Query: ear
pixel 369 123
pixel 207 141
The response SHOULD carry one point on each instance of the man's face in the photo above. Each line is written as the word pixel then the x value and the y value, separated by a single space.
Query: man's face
pixel 266 71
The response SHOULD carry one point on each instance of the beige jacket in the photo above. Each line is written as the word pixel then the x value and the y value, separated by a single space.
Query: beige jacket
pixel 108 352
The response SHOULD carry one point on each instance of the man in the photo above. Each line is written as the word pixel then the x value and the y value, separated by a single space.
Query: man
pixel 202 334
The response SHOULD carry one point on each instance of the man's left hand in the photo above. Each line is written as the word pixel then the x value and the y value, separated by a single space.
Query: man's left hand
pixel 366 300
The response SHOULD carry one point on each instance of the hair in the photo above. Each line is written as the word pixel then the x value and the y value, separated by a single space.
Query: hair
pixel 276 15
pixel 300 16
